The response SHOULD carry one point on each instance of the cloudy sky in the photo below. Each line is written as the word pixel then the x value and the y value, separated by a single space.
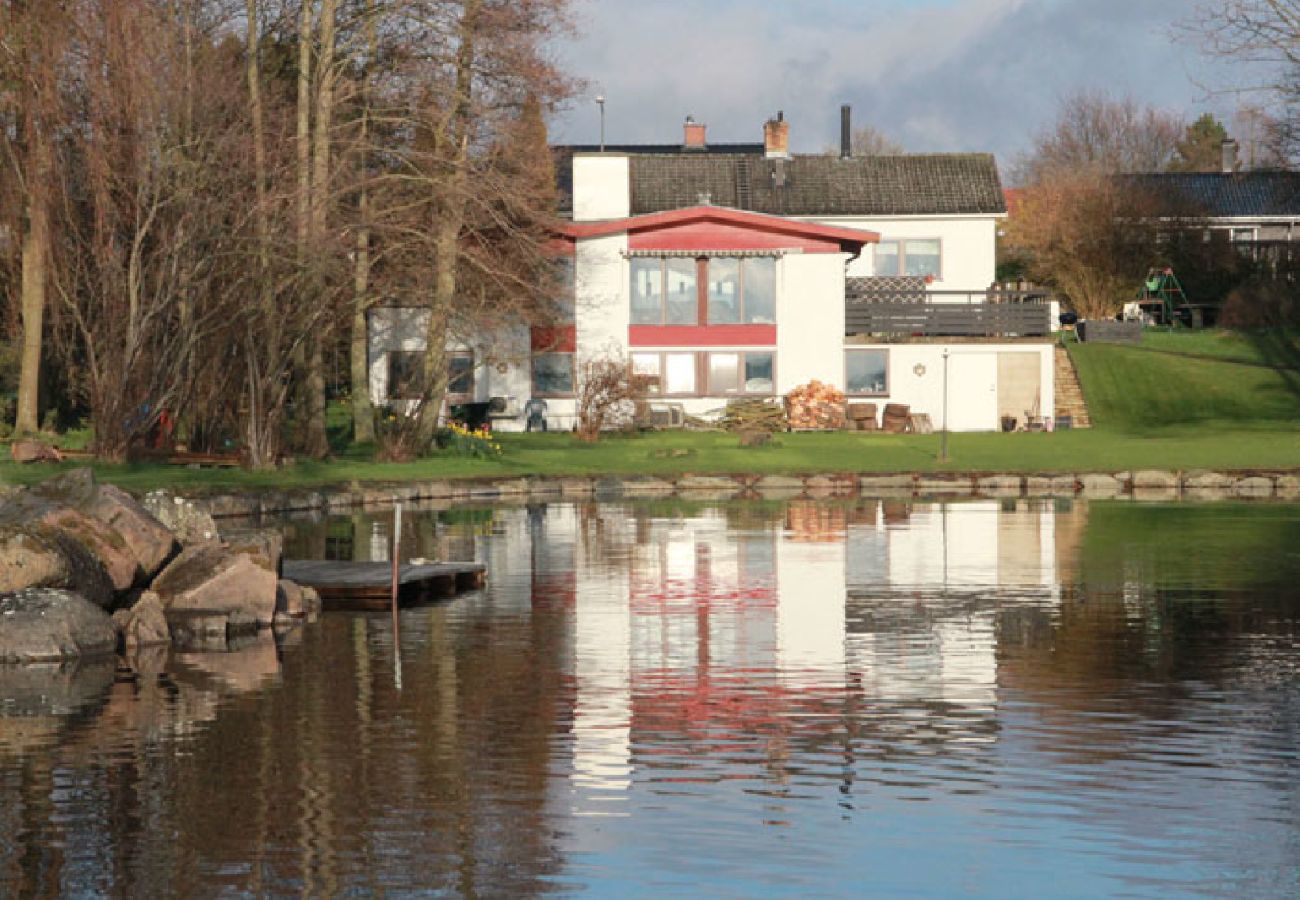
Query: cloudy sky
pixel 934 74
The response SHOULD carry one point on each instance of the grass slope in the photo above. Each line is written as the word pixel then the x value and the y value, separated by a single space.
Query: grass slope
pixel 1137 389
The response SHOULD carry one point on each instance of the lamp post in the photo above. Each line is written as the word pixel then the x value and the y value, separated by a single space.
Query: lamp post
pixel 943 434
pixel 600 101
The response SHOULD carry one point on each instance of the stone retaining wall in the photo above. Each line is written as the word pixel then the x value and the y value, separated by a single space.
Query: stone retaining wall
pixel 1148 484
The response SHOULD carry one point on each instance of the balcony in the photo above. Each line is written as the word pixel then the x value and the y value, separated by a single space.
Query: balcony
pixel 896 310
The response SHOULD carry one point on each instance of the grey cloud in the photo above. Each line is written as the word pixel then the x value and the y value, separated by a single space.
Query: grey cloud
pixel 965 75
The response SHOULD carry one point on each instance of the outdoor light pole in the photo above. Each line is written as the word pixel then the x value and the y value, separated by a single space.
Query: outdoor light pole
pixel 943 435
pixel 600 101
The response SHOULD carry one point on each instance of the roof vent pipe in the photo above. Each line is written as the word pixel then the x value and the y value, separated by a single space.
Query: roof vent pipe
pixel 846 132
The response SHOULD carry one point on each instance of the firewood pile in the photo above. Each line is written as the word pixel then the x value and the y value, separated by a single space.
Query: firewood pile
pixel 897 418
pixel 862 417
pixel 754 415
pixel 815 406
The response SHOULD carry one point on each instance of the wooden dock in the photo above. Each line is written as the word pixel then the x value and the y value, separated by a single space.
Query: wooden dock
pixel 368 585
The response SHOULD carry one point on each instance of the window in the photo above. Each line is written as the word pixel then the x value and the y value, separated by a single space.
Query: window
pixel 460 376
pixel 920 256
pixel 679 373
pixel 664 373
pixel 710 374
pixel 647 291
pixel 565 290
pixel 553 374
pixel 646 369
pixel 405 374
pixel 740 373
pixel 866 372
pixel 683 295
pixel 728 290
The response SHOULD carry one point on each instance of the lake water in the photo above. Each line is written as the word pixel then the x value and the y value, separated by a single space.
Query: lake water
pixel 1017 698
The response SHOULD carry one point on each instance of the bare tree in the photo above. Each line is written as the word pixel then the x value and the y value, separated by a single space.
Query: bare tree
pixel 1263 35
pixel 1095 132
pixel 868 140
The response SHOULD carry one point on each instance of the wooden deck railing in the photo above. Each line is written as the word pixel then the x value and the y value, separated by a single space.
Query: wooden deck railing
pixel 931 318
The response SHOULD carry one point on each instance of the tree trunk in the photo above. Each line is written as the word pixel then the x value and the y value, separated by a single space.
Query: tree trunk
pixel 363 413
pixel 454 142
pixel 316 441
pixel 35 275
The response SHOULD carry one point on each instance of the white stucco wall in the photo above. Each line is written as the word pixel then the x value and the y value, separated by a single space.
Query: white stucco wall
pixel 970 368
pixel 969 246
pixel 600 187
pixel 601 307
pixel 809 320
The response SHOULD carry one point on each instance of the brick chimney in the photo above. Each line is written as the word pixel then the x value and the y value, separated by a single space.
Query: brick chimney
pixel 776 137
pixel 694 135
pixel 1229 155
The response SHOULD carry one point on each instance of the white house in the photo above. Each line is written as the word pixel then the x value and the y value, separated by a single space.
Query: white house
pixel 723 271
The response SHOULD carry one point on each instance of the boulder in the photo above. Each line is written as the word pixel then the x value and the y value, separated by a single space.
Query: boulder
pixel 183 518
pixel 48 624
pixel 216 579
pixel 34 451
pixel 144 624
pixel 264 545
pixel 148 539
pixel 126 540
pixel 288 599
pixel 311 605
pixel 35 556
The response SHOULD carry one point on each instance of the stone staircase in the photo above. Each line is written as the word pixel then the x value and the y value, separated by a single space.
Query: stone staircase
pixel 1069 396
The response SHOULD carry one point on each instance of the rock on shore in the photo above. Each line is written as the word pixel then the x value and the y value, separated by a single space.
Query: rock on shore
pixel 73 550
pixel 47 624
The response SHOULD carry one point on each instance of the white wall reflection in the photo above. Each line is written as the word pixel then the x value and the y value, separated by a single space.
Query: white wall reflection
pixel 735 624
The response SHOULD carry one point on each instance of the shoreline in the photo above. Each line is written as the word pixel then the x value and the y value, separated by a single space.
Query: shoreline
pixel 1144 484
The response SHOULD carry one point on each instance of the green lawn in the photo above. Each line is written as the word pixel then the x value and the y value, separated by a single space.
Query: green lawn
pixel 1231 445
pixel 1152 408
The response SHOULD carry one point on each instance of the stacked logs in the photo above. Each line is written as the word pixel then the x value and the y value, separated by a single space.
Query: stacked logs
pixel 897 418
pixel 754 416
pixel 862 417
pixel 815 406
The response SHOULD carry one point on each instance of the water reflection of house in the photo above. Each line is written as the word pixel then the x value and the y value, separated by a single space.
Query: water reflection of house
pixel 756 636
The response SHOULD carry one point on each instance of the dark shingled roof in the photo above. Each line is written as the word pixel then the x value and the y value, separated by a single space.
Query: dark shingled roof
pixel 915 184
pixel 563 156
pixel 1227 194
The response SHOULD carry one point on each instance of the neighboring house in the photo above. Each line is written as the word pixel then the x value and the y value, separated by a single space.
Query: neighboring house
pixel 724 271
pixel 1259 211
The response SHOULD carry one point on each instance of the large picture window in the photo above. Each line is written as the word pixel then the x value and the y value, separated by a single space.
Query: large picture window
pixel 705 374
pixel 916 256
pixel 866 372
pixel 719 290
pixel 553 374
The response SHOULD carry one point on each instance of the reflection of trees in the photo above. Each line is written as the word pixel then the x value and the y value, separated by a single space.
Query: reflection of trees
pixel 322 781
pixel 1173 603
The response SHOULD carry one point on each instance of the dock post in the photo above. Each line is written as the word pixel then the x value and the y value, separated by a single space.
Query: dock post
pixel 397 625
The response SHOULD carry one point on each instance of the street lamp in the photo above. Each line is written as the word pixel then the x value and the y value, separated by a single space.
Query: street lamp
pixel 943 435
pixel 600 101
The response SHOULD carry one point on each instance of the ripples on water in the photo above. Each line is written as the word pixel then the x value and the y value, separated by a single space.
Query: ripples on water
pixel 1014 698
